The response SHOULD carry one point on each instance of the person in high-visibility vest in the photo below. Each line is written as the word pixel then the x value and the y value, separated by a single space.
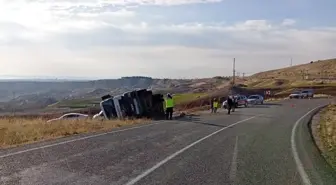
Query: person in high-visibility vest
pixel 169 107
pixel 215 105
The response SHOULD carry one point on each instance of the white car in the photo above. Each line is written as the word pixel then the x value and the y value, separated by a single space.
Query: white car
pixel 255 99
pixel 70 116
pixel 295 94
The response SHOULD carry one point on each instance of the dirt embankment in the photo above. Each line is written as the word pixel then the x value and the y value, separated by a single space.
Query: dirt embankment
pixel 326 133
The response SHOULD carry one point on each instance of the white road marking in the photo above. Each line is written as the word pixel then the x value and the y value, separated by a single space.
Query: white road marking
pixel 233 169
pixel 74 140
pixel 299 165
pixel 150 170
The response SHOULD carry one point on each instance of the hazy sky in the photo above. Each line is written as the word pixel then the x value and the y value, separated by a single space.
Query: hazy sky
pixel 161 38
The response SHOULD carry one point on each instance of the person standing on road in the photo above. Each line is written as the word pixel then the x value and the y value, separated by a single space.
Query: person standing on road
pixel 234 101
pixel 229 104
pixel 215 105
pixel 169 107
pixel 211 105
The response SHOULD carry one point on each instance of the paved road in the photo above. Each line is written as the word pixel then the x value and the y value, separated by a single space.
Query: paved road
pixel 254 145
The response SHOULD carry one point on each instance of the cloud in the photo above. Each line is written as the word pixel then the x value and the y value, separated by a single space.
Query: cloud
pixel 288 22
pixel 111 39
pixel 186 50
pixel 129 2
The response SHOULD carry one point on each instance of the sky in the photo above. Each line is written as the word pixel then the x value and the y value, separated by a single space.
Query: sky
pixel 161 38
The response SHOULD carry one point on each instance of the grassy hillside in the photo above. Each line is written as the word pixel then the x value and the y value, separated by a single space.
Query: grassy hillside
pixel 315 70
pixel 318 73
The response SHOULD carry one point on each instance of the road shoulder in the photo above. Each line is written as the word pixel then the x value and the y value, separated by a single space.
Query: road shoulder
pixel 314 164
pixel 316 125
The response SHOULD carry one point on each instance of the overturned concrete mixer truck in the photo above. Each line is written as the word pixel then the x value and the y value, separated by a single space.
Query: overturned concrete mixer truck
pixel 133 104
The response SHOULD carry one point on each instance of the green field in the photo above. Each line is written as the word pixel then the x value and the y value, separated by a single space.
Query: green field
pixel 77 103
pixel 85 103
pixel 186 97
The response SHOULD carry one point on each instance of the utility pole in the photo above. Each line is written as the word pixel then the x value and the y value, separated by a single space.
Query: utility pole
pixel 234 71
pixel 302 74
pixel 291 64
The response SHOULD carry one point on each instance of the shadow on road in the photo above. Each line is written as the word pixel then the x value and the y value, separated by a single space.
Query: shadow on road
pixel 259 106
pixel 254 114
pixel 273 104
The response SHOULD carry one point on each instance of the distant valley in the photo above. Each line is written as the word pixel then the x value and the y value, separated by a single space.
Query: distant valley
pixel 32 96
pixel 27 95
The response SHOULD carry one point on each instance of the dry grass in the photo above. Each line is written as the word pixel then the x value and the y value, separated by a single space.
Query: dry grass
pixel 315 70
pixel 16 131
pixel 327 132
pixel 316 74
pixel 273 100
pixel 322 96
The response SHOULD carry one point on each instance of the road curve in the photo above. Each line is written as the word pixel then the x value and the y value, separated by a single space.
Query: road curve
pixel 267 144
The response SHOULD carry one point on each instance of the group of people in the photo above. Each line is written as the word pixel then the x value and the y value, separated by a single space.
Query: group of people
pixel 231 101
pixel 169 105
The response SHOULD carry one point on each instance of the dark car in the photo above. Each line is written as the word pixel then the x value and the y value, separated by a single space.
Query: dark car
pixel 307 93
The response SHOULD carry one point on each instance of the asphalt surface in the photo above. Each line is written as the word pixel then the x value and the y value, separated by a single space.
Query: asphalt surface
pixel 255 145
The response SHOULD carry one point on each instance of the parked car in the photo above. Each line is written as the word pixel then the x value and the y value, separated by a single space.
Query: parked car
pixel 295 94
pixel 307 93
pixel 241 100
pixel 70 116
pixel 255 99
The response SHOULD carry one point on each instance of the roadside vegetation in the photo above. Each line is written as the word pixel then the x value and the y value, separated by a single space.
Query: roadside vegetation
pixel 16 131
pixel 327 133
pixel 186 97
pixel 77 103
